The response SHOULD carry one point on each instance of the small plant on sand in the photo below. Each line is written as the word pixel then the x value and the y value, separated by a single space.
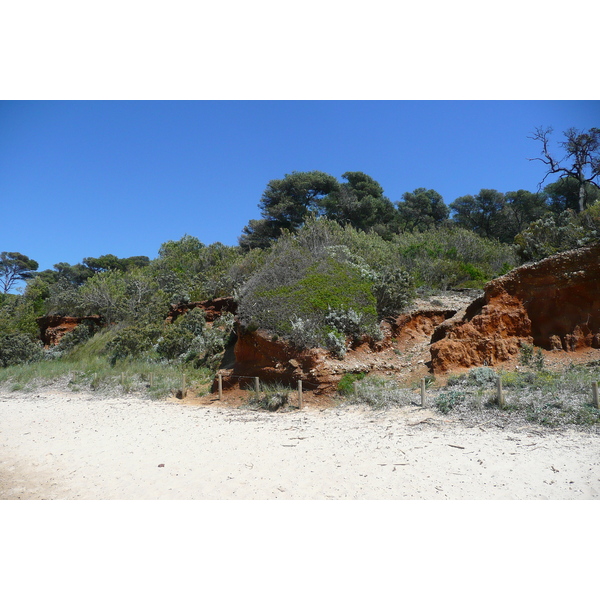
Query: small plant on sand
pixel 538 361
pixel 525 354
pixel 346 383
pixel 446 401
pixel 272 397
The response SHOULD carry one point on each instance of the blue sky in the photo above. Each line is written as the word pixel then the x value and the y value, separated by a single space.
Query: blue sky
pixel 85 178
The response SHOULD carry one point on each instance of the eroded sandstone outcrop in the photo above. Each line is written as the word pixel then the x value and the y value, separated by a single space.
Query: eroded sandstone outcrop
pixel 418 325
pixel 54 327
pixel 274 360
pixel 554 304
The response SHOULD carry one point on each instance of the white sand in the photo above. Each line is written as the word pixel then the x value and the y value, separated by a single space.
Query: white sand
pixel 60 445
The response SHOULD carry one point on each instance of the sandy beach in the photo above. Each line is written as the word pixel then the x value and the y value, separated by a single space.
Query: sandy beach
pixel 64 445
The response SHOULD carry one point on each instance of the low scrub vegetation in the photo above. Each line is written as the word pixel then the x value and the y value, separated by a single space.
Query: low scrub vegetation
pixel 381 393
pixel 551 398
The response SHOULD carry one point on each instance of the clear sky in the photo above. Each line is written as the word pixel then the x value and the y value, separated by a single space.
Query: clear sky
pixel 86 178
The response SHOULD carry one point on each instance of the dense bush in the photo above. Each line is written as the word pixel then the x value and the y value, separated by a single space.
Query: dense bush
pixel 174 343
pixel 448 400
pixel 453 257
pixel 18 315
pixel 17 348
pixel 190 339
pixel 393 290
pixel 132 342
pixel 559 232
pixel 305 293
pixel 346 384
pixel 187 270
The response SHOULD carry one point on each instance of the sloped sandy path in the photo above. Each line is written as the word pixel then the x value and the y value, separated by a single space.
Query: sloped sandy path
pixel 60 445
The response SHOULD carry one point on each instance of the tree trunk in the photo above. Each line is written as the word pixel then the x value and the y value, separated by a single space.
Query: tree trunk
pixel 581 195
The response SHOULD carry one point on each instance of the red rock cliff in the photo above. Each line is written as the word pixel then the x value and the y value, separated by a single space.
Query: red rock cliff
pixel 554 304
pixel 54 327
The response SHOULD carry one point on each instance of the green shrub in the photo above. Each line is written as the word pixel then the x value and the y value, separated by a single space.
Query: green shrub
pixel 449 256
pixel 448 400
pixel 18 348
pixel 393 290
pixel 525 354
pixel 175 342
pixel 346 383
pixel 305 297
pixel 559 232
pixel 482 375
pixel 132 342
pixel 194 322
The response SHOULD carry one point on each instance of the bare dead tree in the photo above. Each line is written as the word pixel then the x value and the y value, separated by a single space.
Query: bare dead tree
pixel 581 160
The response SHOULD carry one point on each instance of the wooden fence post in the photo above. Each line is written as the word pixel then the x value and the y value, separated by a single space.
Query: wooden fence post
pixel 595 394
pixel 355 386
pixel 423 391
pixel 122 378
pixel 500 394
pixel 183 385
pixel 220 386
pixel 300 394
pixel 151 379
pixel 257 385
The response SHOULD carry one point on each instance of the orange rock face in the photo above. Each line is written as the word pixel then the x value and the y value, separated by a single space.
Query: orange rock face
pixel 273 360
pixel 418 325
pixel 54 327
pixel 553 304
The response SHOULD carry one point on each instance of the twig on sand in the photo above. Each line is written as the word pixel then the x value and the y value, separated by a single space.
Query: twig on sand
pixel 459 447
pixel 421 421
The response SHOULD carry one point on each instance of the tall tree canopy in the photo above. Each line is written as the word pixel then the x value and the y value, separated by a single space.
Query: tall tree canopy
pixel 359 202
pixel 287 203
pixel 421 209
pixel 15 266
pixel 564 195
pixel 580 162
pixel 521 208
pixel 479 213
pixel 109 262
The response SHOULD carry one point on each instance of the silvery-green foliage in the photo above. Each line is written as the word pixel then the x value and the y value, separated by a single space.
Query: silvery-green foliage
pixel 64 298
pixel 393 290
pixel 482 375
pixel 17 348
pixel 217 336
pixel 343 254
pixel 336 344
pixel 348 322
pixel 304 333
